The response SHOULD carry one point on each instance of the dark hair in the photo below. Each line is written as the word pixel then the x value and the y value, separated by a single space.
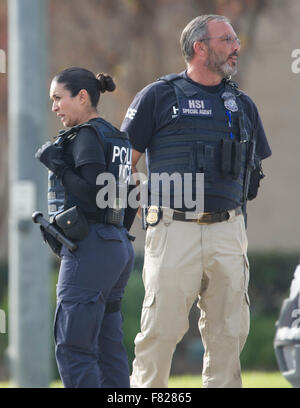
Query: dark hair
pixel 75 79
pixel 196 30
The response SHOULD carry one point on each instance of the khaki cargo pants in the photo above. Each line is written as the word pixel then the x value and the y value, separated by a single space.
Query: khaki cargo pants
pixel 183 261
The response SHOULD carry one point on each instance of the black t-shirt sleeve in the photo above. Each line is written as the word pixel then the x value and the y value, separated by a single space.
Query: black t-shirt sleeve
pixel 139 121
pixel 87 148
pixel 262 148
pixel 83 183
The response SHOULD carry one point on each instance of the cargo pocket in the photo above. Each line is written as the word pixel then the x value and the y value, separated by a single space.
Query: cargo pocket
pixel 77 325
pixel 148 315
pixel 246 278
pixel 245 312
pixel 78 318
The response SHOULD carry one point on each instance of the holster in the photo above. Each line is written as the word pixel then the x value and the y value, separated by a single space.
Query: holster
pixel 54 245
pixel 256 175
pixel 73 223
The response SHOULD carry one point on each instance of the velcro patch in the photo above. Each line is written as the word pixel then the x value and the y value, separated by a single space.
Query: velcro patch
pixel 195 107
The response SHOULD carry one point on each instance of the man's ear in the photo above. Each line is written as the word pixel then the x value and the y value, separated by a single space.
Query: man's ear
pixel 200 48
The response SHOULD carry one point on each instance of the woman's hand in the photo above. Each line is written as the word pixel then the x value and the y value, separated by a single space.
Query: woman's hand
pixel 52 157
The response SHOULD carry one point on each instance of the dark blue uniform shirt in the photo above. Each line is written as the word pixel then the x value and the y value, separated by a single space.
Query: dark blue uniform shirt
pixel 155 106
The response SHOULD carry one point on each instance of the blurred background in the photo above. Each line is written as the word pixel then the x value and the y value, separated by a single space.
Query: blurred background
pixel 137 41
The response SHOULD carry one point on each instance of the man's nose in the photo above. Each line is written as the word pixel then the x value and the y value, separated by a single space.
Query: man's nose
pixel 236 45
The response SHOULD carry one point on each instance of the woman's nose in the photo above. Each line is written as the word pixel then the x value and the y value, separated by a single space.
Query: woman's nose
pixel 54 106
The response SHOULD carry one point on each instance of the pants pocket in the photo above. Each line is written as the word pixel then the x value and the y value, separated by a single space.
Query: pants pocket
pixel 77 324
pixel 246 278
pixel 148 310
pixel 156 238
pixel 68 268
pixel 164 317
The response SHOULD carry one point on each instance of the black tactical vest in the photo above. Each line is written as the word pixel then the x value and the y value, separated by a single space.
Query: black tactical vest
pixel 211 135
pixel 118 155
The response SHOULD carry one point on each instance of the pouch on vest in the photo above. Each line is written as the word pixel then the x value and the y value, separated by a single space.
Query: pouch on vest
pixel 236 159
pixel 54 245
pixel 200 155
pixel 73 223
pixel 226 151
pixel 256 175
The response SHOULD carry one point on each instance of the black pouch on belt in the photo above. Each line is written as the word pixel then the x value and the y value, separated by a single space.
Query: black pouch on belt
pixel 73 223
pixel 226 151
pixel 236 159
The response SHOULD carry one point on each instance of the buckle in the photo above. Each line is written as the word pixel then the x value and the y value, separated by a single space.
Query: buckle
pixel 199 218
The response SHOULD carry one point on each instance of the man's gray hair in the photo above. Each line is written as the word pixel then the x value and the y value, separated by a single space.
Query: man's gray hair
pixel 196 30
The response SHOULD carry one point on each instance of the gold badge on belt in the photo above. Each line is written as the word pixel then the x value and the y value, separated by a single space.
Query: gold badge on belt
pixel 153 215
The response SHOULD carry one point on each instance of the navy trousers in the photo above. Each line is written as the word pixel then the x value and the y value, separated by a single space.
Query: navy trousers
pixel 88 334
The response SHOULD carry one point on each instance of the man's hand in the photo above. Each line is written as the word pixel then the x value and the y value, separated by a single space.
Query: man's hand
pixel 52 157
pixel 135 158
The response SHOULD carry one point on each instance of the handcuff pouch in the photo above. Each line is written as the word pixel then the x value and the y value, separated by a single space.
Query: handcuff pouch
pixel 73 223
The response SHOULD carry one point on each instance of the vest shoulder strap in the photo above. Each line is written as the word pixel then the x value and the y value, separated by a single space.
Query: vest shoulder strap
pixel 185 86
pixel 245 137
pixel 117 134
pixel 169 77
pixel 232 87
pixel 98 134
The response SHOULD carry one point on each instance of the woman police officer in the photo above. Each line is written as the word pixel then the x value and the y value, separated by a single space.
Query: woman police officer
pixel 88 322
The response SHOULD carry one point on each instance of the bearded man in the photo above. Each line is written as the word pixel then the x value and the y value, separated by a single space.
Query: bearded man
pixel 191 123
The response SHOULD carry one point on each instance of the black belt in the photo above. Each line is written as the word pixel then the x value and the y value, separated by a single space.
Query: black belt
pixel 92 221
pixel 205 218
pixel 95 219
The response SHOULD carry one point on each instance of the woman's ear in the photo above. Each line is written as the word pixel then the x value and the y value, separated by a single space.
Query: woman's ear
pixel 83 96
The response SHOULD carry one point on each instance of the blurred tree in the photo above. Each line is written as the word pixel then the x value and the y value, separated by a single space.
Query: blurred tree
pixel 136 41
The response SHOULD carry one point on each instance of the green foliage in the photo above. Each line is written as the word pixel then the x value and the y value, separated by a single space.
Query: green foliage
pixel 270 278
pixel 4 305
pixel 131 307
pixel 271 274
pixel 251 379
pixel 258 352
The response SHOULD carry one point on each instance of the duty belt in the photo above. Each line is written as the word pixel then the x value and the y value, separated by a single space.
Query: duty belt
pixel 206 217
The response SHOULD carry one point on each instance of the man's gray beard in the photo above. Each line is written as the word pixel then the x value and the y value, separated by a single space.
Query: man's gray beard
pixel 227 70
pixel 222 68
